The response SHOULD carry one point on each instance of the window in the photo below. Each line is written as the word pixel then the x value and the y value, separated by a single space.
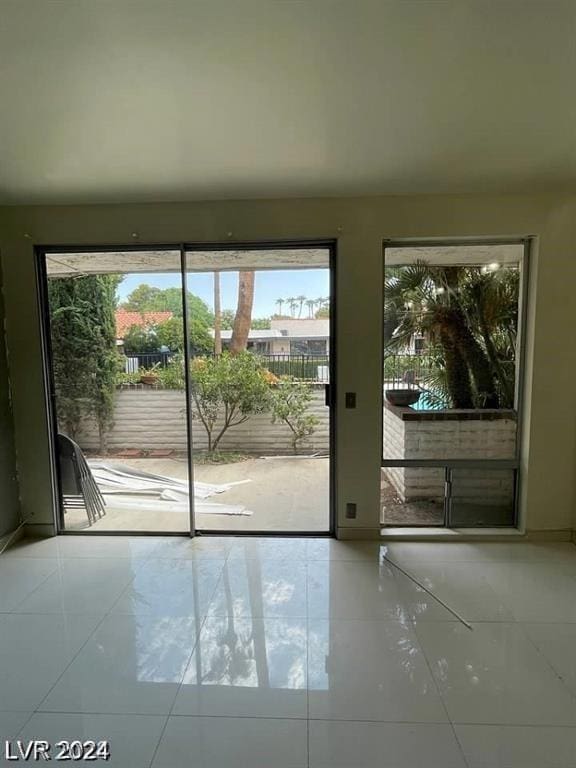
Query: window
pixel 308 347
pixel 452 365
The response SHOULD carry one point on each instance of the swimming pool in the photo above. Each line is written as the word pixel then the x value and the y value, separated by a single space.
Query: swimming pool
pixel 425 404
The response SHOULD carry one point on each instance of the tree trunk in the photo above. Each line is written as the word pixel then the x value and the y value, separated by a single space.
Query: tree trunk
pixel 217 316
pixel 468 348
pixel 243 317
pixel 478 363
pixel 103 439
pixel 457 375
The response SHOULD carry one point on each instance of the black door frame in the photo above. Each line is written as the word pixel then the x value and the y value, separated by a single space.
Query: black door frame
pixel 184 248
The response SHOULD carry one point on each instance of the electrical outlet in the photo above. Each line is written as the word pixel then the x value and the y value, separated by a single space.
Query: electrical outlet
pixel 351 510
pixel 350 399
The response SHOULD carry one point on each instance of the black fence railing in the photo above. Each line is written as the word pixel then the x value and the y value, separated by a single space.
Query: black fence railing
pixel 308 367
pixel 134 363
pixel 412 371
pixel 406 369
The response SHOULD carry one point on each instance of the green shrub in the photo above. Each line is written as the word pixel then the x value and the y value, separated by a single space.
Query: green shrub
pixel 289 401
pixel 227 389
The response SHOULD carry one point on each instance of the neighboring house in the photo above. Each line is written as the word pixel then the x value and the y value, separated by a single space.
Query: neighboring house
pixel 125 320
pixel 288 336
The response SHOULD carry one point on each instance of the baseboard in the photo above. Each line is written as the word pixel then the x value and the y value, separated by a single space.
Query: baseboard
pixel 358 534
pixel 562 534
pixel 475 534
pixel 39 530
pixel 11 538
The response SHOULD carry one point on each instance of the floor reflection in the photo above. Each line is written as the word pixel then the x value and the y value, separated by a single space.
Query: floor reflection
pixel 250 652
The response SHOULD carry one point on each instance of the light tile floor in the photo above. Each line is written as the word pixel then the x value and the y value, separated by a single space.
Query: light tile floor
pixel 269 653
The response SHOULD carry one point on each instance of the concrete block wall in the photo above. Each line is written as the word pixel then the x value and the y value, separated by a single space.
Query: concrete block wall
pixel 409 435
pixel 393 447
pixel 149 419
pixel 467 439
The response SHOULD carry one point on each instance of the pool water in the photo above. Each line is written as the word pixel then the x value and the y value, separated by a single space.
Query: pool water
pixel 425 404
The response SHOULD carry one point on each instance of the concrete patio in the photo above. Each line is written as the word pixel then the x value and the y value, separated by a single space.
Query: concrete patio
pixel 284 494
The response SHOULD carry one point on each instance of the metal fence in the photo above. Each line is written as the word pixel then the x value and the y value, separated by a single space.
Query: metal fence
pixel 406 369
pixel 134 363
pixel 308 367
pixel 410 371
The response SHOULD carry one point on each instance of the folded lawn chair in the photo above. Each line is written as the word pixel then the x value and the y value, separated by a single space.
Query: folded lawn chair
pixel 77 484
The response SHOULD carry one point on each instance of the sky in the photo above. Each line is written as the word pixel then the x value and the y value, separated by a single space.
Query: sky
pixel 269 286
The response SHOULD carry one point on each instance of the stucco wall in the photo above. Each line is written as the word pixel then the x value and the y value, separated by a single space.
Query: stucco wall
pixel 9 507
pixel 149 419
pixel 359 225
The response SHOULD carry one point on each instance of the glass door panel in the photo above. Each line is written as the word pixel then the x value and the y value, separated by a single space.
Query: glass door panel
pixel 452 361
pixel 116 365
pixel 482 497
pixel 412 496
pixel 259 363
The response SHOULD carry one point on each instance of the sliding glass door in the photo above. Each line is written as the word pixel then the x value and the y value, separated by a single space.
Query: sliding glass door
pixel 115 337
pixel 259 364
pixel 189 388
pixel 452 370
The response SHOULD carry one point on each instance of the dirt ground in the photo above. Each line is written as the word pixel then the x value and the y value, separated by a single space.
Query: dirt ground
pixel 394 512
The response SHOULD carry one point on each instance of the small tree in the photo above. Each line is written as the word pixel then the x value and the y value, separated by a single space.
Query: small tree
pixel 170 334
pixel 227 390
pixel 289 401
pixel 139 340
pixel 149 298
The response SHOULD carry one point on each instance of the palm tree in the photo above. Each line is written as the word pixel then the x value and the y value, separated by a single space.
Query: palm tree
pixel 280 302
pixel 291 301
pixel 323 303
pixel 465 315
pixel 491 303
pixel 310 303
pixel 300 299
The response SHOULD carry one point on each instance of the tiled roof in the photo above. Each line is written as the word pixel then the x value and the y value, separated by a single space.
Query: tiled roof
pixel 125 320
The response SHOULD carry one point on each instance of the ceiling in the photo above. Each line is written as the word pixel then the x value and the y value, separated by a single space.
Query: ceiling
pixel 125 100
pixel 452 255
pixel 68 263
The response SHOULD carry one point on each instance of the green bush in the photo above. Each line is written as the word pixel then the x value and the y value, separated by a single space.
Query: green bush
pixel 84 356
pixel 227 389
pixel 289 401
pixel 172 376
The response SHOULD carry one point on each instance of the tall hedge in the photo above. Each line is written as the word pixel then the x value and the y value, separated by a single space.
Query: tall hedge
pixel 85 360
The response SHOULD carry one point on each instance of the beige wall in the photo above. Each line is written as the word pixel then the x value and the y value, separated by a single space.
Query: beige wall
pixel 9 506
pixel 149 419
pixel 359 225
